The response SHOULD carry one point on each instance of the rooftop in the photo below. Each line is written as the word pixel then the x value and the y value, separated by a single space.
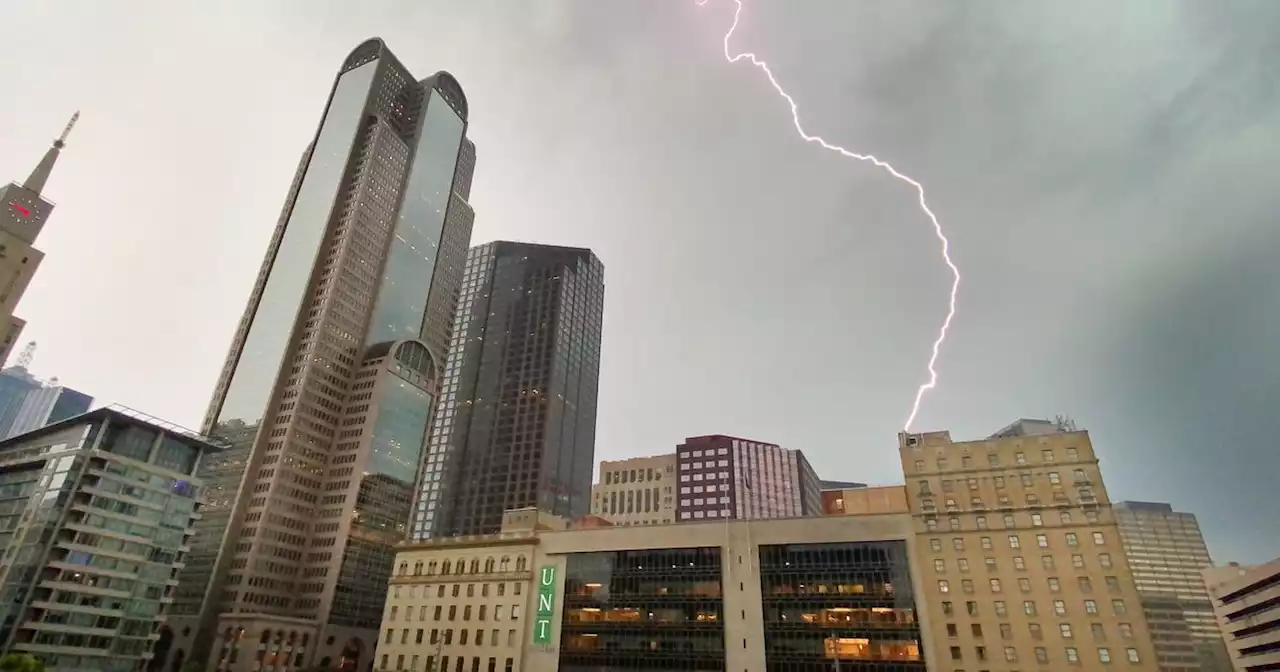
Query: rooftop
pixel 119 412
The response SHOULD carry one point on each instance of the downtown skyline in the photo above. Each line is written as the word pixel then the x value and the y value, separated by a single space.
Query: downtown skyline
pixel 1057 356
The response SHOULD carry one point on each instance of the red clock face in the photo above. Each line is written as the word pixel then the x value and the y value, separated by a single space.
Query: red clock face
pixel 20 209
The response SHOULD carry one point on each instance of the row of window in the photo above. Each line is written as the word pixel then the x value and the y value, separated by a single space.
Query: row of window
pixel 1010 521
pixel 709 464
pixel 1029 608
pixel 495 638
pixel 412 591
pixel 459 666
pixel 448 567
pixel 1084 583
pixel 500 612
pixel 710 452
pixel 1070 653
pixel 1047 456
pixel 1019 563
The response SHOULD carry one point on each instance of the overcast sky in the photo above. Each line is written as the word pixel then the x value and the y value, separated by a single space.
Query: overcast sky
pixel 1106 171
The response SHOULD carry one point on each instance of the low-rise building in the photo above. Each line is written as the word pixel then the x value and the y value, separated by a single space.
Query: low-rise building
pixel 96 514
pixel 1246 602
pixel 638 491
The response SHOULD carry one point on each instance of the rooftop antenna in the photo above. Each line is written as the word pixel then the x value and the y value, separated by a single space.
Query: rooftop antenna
pixel 28 352
pixel 40 175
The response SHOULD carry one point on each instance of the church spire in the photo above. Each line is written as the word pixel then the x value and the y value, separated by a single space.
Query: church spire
pixel 41 174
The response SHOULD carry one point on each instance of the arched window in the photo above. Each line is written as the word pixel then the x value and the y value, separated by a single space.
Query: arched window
pixel 447 566
pixel 404 568
pixel 504 564
pixel 266 636
pixel 293 638
pixel 475 565
pixel 460 567
pixel 488 565
pixel 432 566
pixel 520 563
pixel 417 568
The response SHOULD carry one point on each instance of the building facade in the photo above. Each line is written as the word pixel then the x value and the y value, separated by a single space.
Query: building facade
pixel 329 385
pixel 1026 568
pixel 24 210
pixel 28 403
pixel 639 491
pixel 809 594
pixel 1246 603
pixel 730 477
pixel 1166 553
pixel 863 500
pixel 516 423
pixel 96 514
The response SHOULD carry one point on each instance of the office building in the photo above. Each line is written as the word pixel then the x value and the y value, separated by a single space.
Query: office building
pixel 516 422
pixel 1246 603
pixel 1026 568
pixel 730 477
pixel 804 594
pixel 1166 553
pixel 639 491
pixel 329 385
pixel 96 514
pixel 863 500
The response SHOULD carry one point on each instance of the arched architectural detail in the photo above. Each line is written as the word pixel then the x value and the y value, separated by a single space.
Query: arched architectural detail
pixel 521 563
pixel 488 565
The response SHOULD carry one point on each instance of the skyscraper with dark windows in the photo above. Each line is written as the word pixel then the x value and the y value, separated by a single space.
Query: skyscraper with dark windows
pixel 330 383
pixel 730 477
pixel 515 426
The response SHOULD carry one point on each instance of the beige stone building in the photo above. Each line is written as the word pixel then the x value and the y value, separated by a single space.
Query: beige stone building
pixel 1022 565
pixel 639 491
pixel 1246 602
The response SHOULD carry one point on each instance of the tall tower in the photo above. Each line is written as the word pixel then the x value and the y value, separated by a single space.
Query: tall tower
pixel 23 212
pixel 1167 554
pixel 329 385
pixel 517 419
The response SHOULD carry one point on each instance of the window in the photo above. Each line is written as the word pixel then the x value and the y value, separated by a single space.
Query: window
pixel 1042 540
pixel 1054 478
pixel 935 544
pixel 948 609
pixel 1037 520
pixel 1073 656
pixel 1060 607
pixel 1019 458
pixel 944 587
pixel 995 585
pixel 1091 515
pixel 967 586
pixel 1054 586
pixel 957 544
pixel 1014 542
pixel 973 484
pixel 1046 561
pixel 1006 631
pixel 971 607
pixel 1064 517
pixel 1047 454
pixel 1029 608
pixel 1077 561
pixel 955 653
pixel 976 630
pixel 1073 454
pixel 1126 631
pixel 1027 480
pixel 1104 655
pixel 1133 655
pixel 930 523
pixel 1099 540
pixel 919 465
pixel 1099 635
pixel 1086 586
pixel 1065 630
pixel 953 523
pixel 940 566
pixel 952 632
pixel 993 459
pixel 991 564
pixel 1071 540
pixel 1042 656
pixel 1090 607
pixel 1113 584
pixel 1034 630
pixel 1009 521
pixel 1117 607
pixel 1010 654
pixel 1001 610
pixel 963 564
pixel 1024 585
pixel 985 543
pixel 1019 564
pixel 982 522
pixel 1104 560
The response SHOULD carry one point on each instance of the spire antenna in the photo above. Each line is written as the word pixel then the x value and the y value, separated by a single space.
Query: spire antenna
pixel 62 139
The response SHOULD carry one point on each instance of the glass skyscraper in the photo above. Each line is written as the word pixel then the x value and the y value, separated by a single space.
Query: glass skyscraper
pixel 329 386
pixel 517 416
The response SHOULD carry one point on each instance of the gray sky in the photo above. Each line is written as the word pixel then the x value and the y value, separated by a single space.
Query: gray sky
pixel 1106 172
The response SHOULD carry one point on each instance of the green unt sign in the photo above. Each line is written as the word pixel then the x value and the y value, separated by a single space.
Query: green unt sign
pixel 546 605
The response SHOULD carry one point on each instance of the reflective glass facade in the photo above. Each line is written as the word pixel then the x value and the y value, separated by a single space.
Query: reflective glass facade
pixel 845 606
pixel 516 423
pixel 415 247
pixel 658 609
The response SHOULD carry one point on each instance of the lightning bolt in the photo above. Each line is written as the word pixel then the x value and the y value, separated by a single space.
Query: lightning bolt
pixel 932 382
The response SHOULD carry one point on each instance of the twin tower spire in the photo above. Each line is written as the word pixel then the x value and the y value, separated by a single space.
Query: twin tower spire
pixel 41 174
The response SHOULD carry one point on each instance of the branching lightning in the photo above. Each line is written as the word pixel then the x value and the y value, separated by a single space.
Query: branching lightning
pixel 932 382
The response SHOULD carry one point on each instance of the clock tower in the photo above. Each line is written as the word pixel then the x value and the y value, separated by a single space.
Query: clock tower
pixel 23 212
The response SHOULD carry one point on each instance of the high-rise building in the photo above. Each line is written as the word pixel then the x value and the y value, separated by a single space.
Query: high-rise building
pixel 23 213
pixel 729 477
pixel 330 381
pixel 638 491
pixel 516 422
pixel 1026 568
pixel 28 403
pixel 1166 553
pixel 96 517
pixel 1246 602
